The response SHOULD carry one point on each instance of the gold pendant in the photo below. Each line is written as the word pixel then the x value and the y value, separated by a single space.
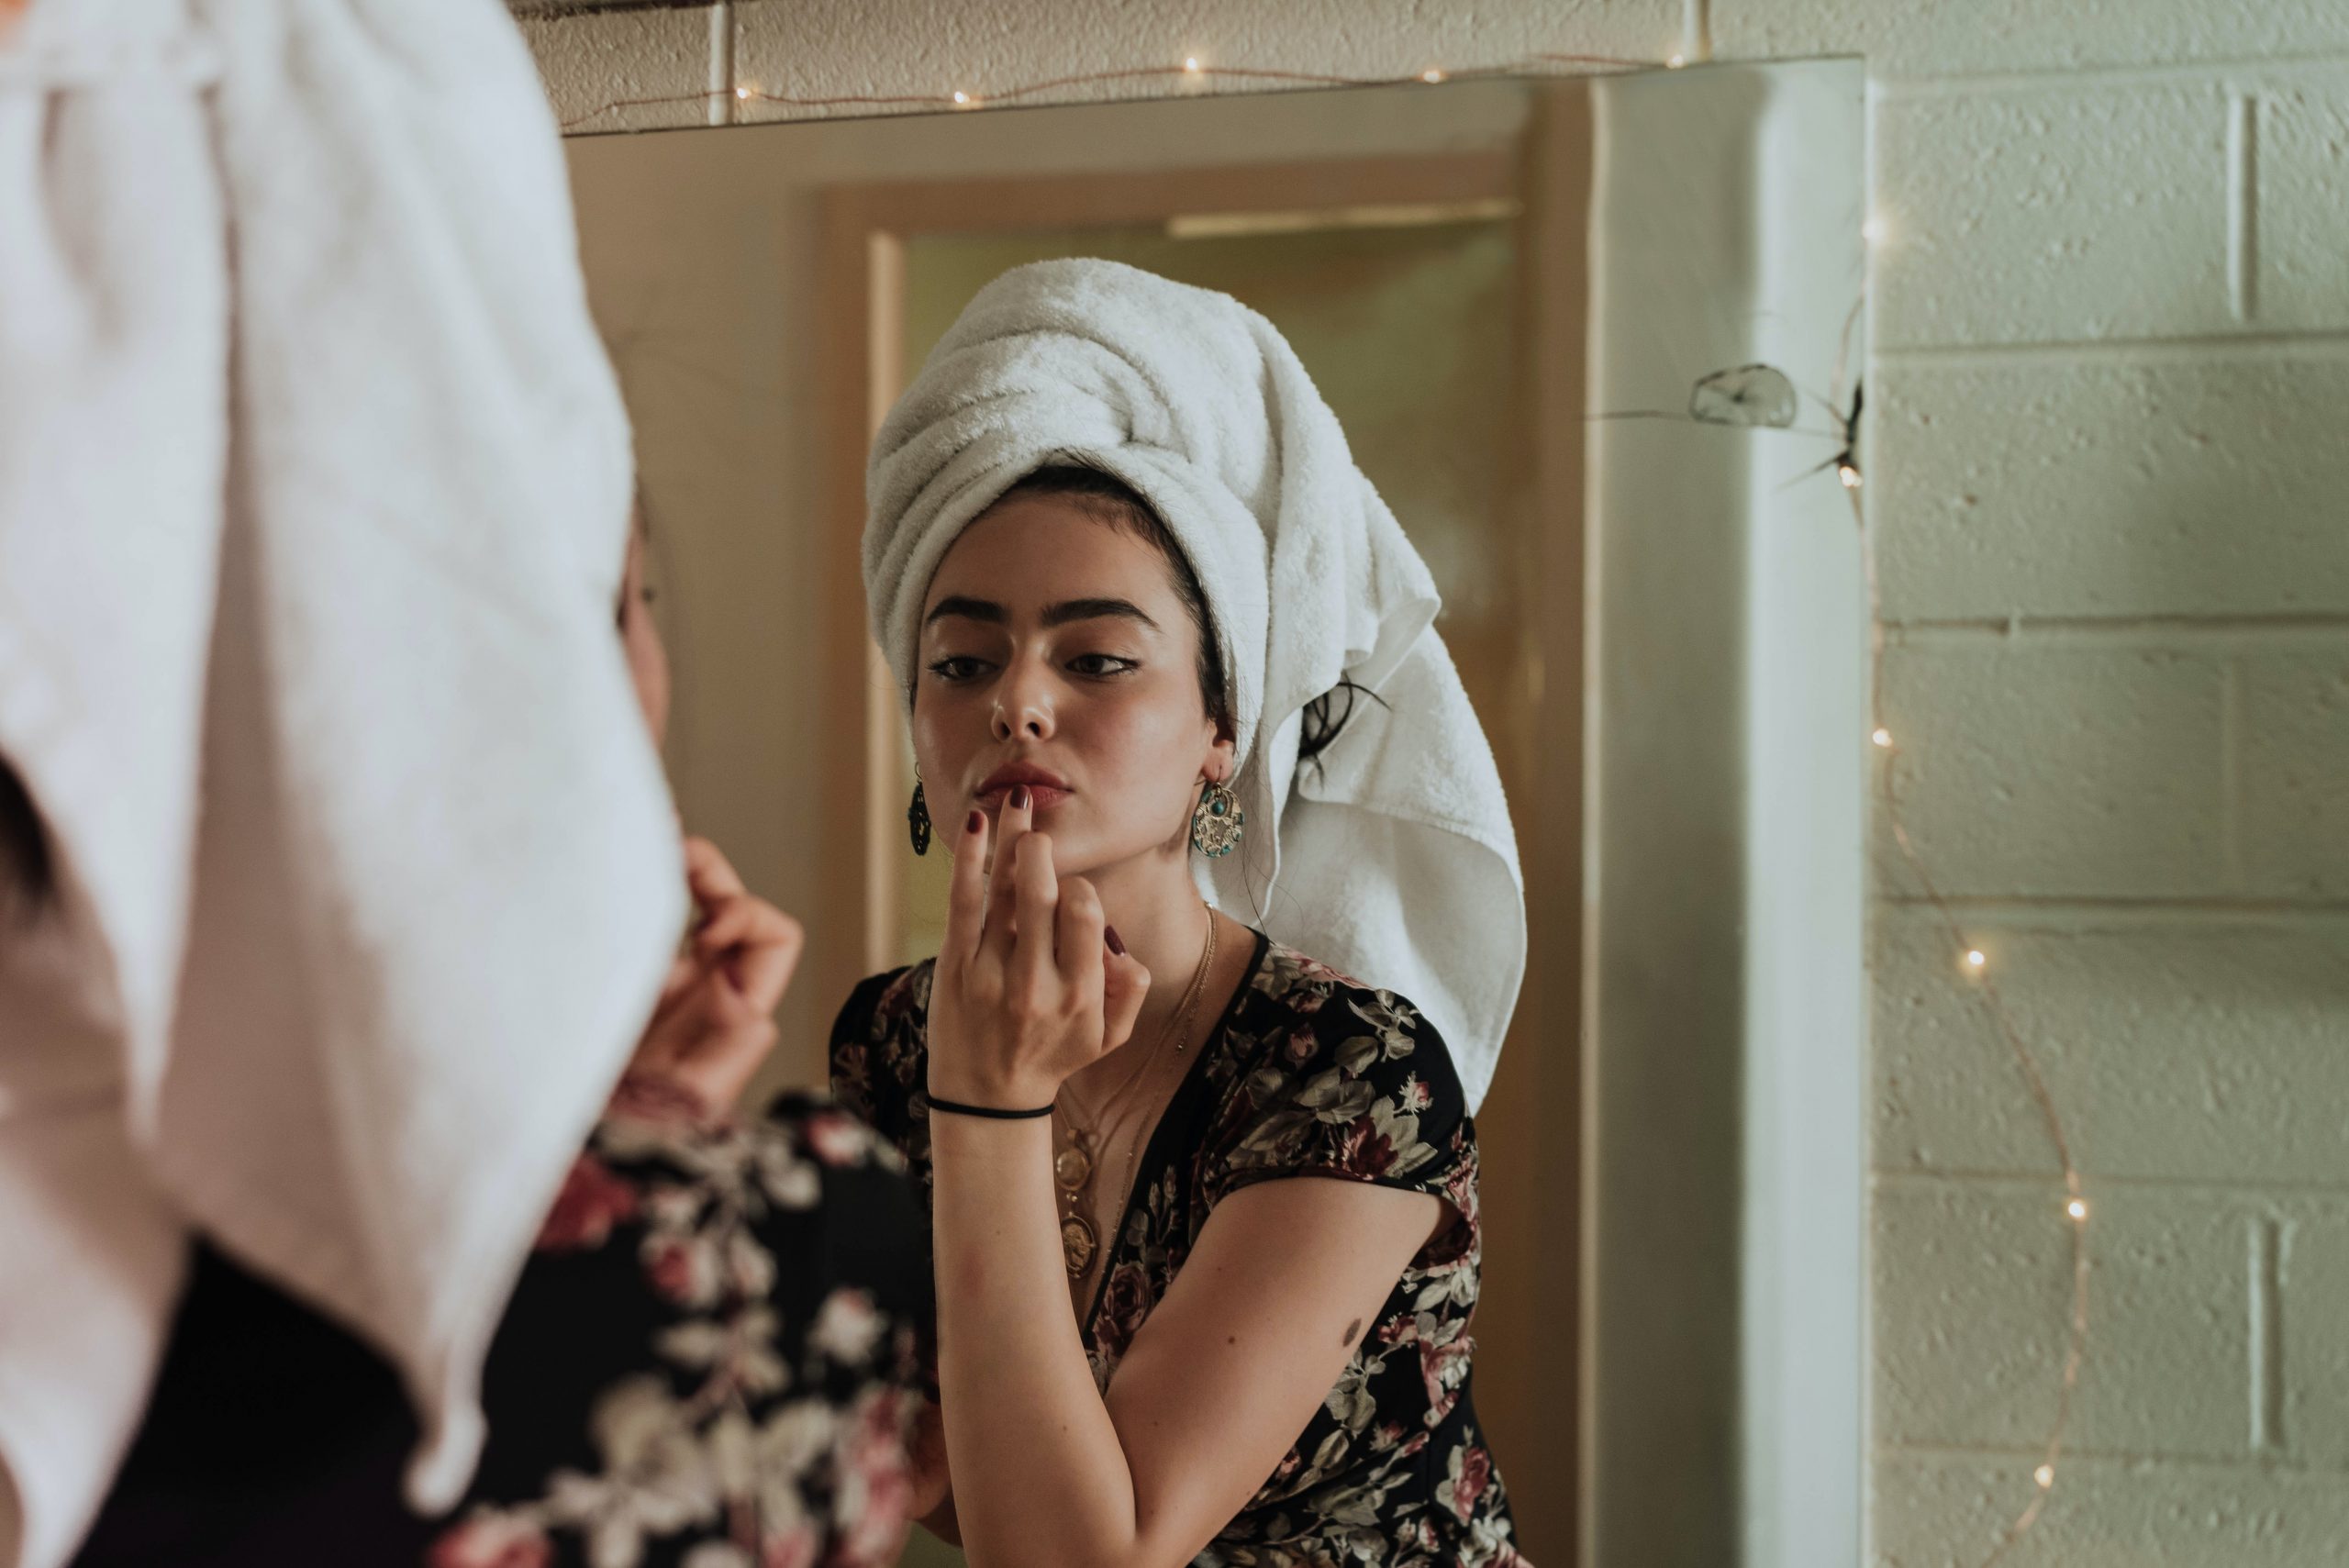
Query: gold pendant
pixel 1072 1168
pixel 1077 1245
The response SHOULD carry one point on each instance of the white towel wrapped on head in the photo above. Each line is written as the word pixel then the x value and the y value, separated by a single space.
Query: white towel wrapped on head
pixel 307 562
pixel 1390 855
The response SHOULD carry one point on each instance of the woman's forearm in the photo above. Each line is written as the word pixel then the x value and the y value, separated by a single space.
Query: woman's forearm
pixel 1040 1479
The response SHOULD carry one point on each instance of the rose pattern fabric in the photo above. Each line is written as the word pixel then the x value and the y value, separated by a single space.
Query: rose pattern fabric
pixel 1310 1073
pixel 753 1406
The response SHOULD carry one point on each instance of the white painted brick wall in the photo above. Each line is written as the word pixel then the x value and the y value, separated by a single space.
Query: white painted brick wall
pixel 2303 137
pixel 2107 465
pixel 1974 1275
pixel 2132 1513
pixel 2124 207
pixel 2295 766
pixel 2059 212
pixel 2127 482
pixel 2179 1041
pixel 2066 765
pixel 592 59
pixel 1973 39
pixel 2314 1403
pixel 2110 481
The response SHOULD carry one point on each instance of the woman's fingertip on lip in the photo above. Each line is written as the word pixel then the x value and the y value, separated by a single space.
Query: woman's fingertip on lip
pixel 1020 797
pixel 1110 934
pixel 977 820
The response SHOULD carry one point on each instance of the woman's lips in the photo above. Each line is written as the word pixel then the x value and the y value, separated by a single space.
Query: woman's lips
pixel 1045 787
pixel 1042 797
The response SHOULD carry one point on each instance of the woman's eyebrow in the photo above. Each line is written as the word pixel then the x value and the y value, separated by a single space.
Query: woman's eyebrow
pixel 1095 609
pixel 957 606
pixel 985 610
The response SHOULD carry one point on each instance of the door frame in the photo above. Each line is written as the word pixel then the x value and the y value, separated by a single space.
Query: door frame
pixel 1532 1203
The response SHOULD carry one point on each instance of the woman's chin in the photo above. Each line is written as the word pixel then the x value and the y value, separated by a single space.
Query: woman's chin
pixel 1086 856
pixel 1083 846
pixel 1077 850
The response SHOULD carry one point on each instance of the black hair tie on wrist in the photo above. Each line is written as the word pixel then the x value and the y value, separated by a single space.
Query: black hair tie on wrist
pixel 992 1113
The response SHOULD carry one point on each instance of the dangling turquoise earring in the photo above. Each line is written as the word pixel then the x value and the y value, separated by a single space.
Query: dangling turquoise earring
pixel 918 821
pixel 1217 823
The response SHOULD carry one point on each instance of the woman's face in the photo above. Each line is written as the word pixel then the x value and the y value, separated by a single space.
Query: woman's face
pixel 1056 652
pixel 648 660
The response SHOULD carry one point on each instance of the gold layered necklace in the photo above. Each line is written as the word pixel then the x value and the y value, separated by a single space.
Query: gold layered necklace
pixel 1075 1166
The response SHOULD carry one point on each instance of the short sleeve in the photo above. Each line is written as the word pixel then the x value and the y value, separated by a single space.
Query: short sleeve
pixel 852 1056
pixel 877 1056
pixel 880 1058
pixel 1346 1081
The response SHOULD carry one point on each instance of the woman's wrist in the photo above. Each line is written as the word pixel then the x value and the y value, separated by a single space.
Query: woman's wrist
pixel 966 1148
pixel 996 1097
pixel 989 1113
pixel 953 1083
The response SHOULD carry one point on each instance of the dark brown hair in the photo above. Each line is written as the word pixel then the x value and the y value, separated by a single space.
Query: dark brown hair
pixel 26 875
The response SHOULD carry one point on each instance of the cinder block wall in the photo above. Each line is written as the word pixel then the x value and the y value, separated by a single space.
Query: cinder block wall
pixel 2111 442
pixel 2110 483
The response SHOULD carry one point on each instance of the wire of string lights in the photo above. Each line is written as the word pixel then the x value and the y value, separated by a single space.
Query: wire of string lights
pixel 1973 962
pixel 1191 69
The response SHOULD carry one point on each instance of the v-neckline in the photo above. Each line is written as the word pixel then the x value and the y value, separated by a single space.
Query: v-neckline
pixel 1153 1155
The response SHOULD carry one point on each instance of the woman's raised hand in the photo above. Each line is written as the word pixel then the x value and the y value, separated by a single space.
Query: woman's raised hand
pixel 1028 987
pixel 714 1022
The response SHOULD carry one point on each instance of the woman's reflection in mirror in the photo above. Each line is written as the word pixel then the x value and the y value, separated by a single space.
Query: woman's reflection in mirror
pixel 1204 1206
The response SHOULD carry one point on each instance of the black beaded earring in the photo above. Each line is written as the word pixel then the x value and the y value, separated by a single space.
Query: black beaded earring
pixel 918 821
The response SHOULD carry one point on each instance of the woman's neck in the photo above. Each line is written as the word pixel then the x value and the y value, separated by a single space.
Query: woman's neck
pixel 1157 910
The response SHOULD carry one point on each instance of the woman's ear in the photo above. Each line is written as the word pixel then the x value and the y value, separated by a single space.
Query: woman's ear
pixel 1223 750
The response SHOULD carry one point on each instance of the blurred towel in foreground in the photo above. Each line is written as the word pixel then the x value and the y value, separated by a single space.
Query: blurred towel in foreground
pixel 313 485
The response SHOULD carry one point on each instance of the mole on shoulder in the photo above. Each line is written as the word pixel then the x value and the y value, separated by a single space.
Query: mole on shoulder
pixel 1351 1330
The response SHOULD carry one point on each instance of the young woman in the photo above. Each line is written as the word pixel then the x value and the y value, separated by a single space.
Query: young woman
pixel 708 1357
pixel 1204 1207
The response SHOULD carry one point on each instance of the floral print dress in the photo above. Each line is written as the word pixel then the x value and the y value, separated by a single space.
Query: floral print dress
pixel 712 1359
pixel 709 1361
pixel 1308 1073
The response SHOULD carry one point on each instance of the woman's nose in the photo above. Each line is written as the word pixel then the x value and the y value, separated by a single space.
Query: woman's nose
pixel 1023 710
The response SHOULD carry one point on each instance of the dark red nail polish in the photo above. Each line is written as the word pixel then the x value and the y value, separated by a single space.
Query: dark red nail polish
pixel 977 820
pixel 1109 935
pixel 1019 797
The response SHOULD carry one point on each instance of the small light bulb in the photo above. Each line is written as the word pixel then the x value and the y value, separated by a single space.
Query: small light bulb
pixel 2044 1475
pixel 961 96
pixel 1848 474
pixel 1432 74
pixel 1974 958
pixel 1191 64
pixel 741 92
pixel 2077 1208
pixel 1882 737
pixel 1677 61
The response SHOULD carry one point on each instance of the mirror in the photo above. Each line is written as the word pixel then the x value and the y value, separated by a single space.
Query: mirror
pixel 1532 304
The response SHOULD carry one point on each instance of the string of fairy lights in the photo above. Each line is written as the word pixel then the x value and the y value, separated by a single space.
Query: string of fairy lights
pixel 1194 72
pixel 1973 962
pixel 1191 72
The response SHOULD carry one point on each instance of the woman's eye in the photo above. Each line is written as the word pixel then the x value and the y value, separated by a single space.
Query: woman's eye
pixel 1100 664
pixel 956 667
